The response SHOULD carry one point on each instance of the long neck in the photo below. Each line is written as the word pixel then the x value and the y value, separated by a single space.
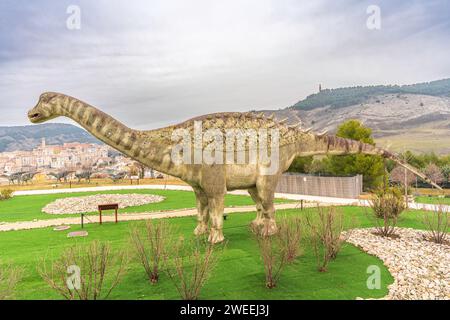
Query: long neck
pixel 139 145
pixel 102 126
pixel 333 145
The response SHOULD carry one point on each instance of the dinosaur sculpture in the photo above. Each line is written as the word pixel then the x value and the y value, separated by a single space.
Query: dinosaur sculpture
pixel 16 176
pixel 118 176
pixel 210 182
pixel 61 175
pixel 85 174
pixel 28 176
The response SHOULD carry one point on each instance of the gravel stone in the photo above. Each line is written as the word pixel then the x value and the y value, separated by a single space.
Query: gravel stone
pixel 90 203
pixel 421 268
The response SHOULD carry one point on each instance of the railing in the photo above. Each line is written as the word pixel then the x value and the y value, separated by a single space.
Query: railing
pixel 339 187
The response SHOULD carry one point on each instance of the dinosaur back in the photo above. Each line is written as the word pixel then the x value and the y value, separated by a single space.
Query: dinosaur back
pixel 243 124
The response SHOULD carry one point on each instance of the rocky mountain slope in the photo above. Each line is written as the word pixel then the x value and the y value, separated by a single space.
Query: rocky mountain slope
pixel 28 137
pixel 400 121
pixel 404 121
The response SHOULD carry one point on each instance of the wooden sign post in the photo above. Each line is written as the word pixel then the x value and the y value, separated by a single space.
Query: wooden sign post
pixel 113 206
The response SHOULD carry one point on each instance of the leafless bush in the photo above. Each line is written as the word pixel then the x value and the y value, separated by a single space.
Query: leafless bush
pixel 151 246
pixel 325 231
pixel 401 176
pixel 85 272
pixel 437 223
pixel 274 257
pixel 387 205
pixel 190 265
pixel 434 173
pixel 289 236
pixel 6 194
pixel 9 277
pixel 280 249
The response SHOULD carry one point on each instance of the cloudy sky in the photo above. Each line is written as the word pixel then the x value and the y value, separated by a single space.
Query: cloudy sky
pixel 152 63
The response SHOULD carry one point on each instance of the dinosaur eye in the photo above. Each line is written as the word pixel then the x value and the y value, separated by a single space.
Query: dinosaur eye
pixel 47 97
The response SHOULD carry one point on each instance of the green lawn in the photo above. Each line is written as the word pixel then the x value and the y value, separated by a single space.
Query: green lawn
pixel 28 208
pixel 239 274
pixel 433 200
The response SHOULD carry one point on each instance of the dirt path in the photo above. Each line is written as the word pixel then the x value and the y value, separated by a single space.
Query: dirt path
pixel 23 225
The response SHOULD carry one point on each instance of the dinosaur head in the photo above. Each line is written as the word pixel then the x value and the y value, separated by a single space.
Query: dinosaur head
pixel 46 109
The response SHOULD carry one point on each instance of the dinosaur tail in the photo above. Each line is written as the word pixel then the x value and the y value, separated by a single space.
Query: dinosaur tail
pixel 337 145
pixel 407 166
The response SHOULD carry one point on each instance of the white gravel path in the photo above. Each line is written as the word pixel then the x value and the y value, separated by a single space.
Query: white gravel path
pixel 24 225
pixel 307 198
pixel 328 200
pixel 421 268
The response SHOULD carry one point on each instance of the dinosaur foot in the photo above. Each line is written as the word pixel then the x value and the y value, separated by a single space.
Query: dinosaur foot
pixel 268 228
pixel 215 236
pixel 201 228
pixel 256 225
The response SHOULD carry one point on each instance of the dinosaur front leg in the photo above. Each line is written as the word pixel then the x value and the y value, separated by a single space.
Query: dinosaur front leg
pixel 202 215
pixel 215 205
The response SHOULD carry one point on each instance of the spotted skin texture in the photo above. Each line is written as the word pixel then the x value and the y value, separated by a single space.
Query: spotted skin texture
pixel 210 182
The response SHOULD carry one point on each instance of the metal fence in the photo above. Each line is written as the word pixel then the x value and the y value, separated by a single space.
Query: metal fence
pixel 340 187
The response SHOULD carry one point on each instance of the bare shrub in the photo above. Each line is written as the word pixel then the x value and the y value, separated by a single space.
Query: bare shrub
pixel 190 265
pixel 278 250
pixel 401 176
pixel 9 277
pixel 434 173
pixel 437 224
pixel 151 246
pixel 289 236
pixel 387 205
pixel 274 257
pixel 325 231
pixel 6 194
pixel 99 272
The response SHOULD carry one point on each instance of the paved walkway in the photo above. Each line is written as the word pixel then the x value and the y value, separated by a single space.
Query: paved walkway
pixel 307 198
pixel 308 202
pixel 330 200
pixel 24 225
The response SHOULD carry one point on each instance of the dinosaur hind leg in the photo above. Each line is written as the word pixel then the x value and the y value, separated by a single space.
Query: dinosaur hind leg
pixel 202 215
pixel 269 226
pixel 256 224
pixel 215 205
pixel 265 217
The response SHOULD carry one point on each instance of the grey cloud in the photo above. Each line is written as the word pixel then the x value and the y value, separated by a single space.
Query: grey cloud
pixel 152 63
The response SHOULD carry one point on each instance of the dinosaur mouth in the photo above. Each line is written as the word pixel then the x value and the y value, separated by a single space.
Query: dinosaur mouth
pixel 34 117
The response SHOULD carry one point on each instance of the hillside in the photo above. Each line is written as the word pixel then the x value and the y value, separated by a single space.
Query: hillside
pixel 414 117
pixel 28 137
pixel 344 97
